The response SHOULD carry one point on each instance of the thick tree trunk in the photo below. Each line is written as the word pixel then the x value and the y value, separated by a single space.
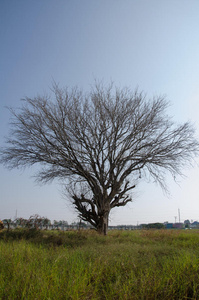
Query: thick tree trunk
pixel 103 224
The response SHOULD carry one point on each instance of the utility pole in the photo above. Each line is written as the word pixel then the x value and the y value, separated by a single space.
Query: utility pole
pixel 179 214
pixel 175 219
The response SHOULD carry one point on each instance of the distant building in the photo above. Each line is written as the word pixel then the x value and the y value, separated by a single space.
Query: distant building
pixel 178 225
pixel 194 224
pixel 169 225
pixel 174 226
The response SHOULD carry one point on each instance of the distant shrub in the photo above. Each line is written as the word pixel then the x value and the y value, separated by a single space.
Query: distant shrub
pixel 1 225
pixel 20 234
pixel 154 226
pixel 56 238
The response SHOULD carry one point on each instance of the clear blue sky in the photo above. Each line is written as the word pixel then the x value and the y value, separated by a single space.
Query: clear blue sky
pixel 151 44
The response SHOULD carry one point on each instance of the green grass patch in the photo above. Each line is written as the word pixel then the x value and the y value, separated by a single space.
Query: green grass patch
pixel 152 264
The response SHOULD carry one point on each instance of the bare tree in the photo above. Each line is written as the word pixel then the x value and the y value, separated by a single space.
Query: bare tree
pixel 100 143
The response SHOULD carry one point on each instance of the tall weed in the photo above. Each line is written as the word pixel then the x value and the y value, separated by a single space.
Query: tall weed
pixel 83 265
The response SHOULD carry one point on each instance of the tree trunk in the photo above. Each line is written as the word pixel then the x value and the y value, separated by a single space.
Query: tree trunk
pixel 103 224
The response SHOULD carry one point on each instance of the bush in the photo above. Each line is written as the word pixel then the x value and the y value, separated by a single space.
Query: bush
pixel 1 225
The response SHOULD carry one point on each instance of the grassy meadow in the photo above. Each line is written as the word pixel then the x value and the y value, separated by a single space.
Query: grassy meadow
pixel 144 264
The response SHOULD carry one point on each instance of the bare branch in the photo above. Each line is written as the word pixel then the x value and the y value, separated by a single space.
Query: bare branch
pixel 100 141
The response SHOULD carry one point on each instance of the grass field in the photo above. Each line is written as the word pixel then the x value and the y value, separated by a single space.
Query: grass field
pixel 154 264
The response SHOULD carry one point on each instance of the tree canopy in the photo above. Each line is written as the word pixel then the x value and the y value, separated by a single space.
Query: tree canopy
pixel 99 143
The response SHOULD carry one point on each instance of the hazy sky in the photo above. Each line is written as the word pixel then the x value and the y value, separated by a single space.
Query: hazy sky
pixel 153 45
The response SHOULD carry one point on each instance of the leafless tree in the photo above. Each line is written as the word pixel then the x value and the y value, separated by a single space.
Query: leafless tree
pixel 100 143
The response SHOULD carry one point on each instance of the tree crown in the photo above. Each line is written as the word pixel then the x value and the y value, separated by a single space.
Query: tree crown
pixel 101 141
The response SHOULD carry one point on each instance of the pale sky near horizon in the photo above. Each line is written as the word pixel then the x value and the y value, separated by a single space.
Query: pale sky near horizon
pixel 153 45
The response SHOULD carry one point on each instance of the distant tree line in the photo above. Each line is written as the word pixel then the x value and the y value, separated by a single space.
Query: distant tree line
pixel 38 222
